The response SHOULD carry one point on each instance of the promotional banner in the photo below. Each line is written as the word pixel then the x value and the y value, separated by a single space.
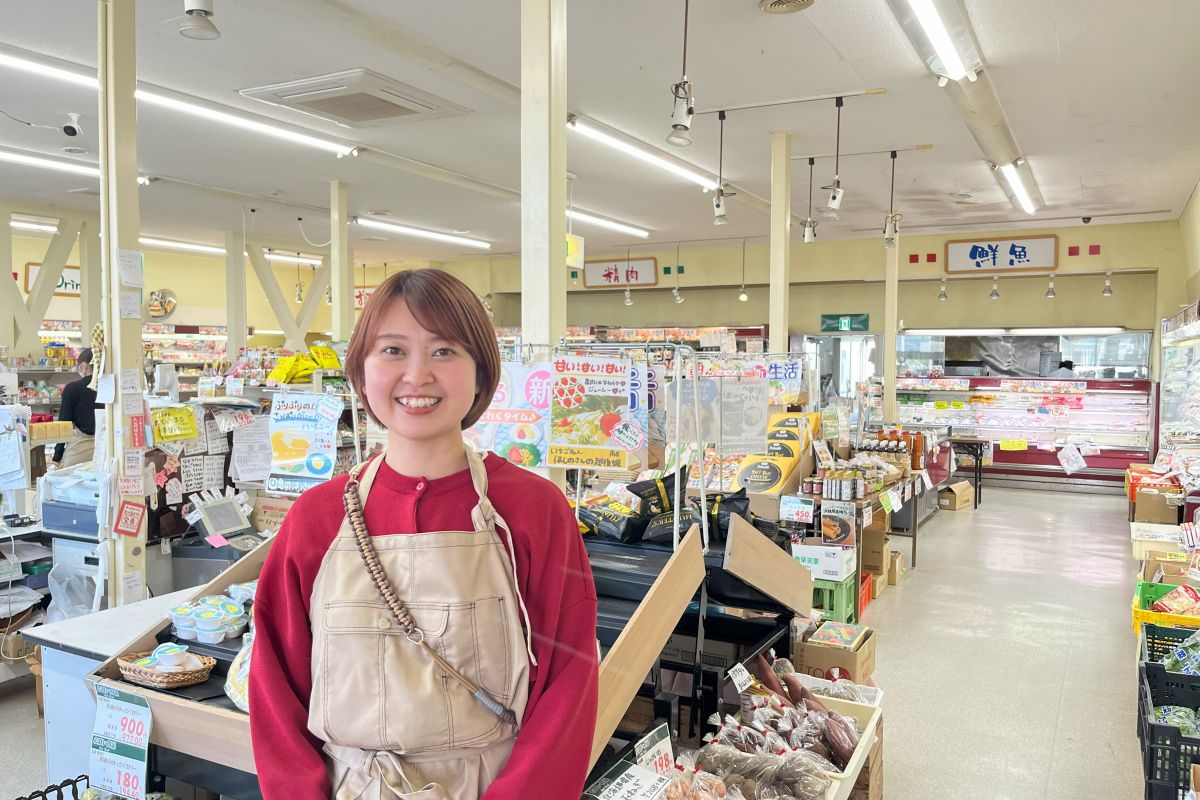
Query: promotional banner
pixel 743 415
pixel 589 401
pixel 516 424
pixel 304 437
pixel 786 382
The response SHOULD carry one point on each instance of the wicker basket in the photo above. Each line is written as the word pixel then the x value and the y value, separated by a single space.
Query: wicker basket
pixel 163 680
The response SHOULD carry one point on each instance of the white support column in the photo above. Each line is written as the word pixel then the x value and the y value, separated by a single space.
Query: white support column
pixel 341 262
pixel 235 293
pixel 91 279
pixel 781 240
pixel 891 321
pixel 543 170
pixel 9 293
pixel 120 222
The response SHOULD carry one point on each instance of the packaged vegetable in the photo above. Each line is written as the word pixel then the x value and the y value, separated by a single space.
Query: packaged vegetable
pixel 797 774
pixel 1180 600
pixel 1185 657
pixel 1180 716
pixel 660 495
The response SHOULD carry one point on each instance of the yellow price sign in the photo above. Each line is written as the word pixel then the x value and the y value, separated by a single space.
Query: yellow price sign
pixel 1014 445
pixel 940 405
pixel 174 423
pixel 958 405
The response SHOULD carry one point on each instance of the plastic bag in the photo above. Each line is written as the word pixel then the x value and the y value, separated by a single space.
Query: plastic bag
pixel 237 682
pixel 243 593
pixel 661 529
pixel 719 508
pixel 1180 716
pixel 71 593
pixel 798 774
pixel 1185 657
pixel 660 495
pixel 692 783
pixel 609 519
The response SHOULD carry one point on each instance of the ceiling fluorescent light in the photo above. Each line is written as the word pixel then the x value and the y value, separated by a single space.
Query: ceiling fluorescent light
pixel 308 261
pixel 1094 331
pixel 245 123
pixel 421 233
pixel 594 133
pixel 939 38
pixel 601 222
pixel 1013 178
pixel 941 34
pixel 73 167
pixel 954 332
pixel 47 71
pixel 32 226
pixel 189 247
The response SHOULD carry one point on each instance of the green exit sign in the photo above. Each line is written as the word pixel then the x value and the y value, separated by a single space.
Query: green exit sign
pixel 834 323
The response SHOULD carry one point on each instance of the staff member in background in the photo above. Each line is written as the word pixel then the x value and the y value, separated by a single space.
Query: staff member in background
pixel 79 409
pixel 482 571
pixel 1066 369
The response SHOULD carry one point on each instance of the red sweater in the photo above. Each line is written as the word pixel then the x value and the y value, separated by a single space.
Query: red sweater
pixel 551 755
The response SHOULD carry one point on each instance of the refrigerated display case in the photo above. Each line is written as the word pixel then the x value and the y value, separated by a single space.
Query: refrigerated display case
pixel 1179 400
pixel 1112 422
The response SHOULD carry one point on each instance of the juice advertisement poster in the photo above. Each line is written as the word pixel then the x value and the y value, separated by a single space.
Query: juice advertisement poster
pixel 304 438
pixel 591 424
pixel 516 424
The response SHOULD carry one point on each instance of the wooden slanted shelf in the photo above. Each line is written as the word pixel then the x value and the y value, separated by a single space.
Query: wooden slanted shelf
pixel 759 562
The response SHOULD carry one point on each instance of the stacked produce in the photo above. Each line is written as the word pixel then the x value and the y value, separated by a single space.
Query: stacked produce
pixel 1186 657
pixel 1180 600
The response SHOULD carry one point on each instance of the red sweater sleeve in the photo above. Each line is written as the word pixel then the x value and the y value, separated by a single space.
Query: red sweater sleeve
pixel 554 745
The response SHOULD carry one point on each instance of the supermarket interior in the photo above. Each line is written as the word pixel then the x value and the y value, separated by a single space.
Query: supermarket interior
pixel 728 379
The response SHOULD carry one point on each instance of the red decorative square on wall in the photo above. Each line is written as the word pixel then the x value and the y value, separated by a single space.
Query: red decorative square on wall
pixel 1093 249
pixel 1073 250
pixel 931 258
pixel 914 258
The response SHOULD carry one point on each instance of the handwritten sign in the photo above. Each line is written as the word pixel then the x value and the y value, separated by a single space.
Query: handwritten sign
pixel 174 423
pixel 1002 255
pixel 130 516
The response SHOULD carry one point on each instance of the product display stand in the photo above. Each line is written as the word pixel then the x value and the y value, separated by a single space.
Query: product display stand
pixel 974 447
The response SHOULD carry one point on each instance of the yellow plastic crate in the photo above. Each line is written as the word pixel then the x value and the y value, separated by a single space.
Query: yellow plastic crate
pixel 1147 594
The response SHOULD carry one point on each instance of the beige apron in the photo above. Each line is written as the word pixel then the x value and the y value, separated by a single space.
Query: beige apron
pixel 395 724
pixel 79 450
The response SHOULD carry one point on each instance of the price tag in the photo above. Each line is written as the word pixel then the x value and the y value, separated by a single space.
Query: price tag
pixel 120 739
pixel 941 405
pixel 824 457
pixel 908 490
pixel 235 387
pixel 741 677
pixel 885 500
pixel 928 481
pixel 164 547
pixel 1014 445
pixel 628 781
pixel 1089 450
pixel 654 751
pixel 868 515
pixel 796 509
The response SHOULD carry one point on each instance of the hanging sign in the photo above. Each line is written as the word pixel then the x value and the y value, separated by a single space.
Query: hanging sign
pixel 120 740
pixel 516 424
pixel 588 397
pixel 303 434
pixel 1038 253
pixel 574 251
pixel 845 323
pixel 621 272
pixel 69 282
pixel 743 413
pixel 786 382
pixel 362 294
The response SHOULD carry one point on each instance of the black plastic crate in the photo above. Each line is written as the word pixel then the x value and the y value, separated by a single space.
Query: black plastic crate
pixel 1167 754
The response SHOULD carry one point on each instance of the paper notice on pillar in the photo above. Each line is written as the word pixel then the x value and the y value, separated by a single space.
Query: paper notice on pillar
pixel 131 404
pixel 191 469
pixel 131 305
pixel 251 459
pixel 588 397
pixel 218 442
pixel 106 391
pixel 199 443
pixel 303 431
pixel 129 266
pixel 214 472
pixel 131 382
pixel 743 415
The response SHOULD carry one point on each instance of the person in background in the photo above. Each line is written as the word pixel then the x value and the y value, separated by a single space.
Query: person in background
pixel 1066 369
pixel 79 409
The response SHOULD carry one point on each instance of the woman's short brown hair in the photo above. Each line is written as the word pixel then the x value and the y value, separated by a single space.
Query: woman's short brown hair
pixel 442 304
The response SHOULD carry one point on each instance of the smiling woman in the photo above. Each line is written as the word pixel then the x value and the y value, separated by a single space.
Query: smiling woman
pixel 463 653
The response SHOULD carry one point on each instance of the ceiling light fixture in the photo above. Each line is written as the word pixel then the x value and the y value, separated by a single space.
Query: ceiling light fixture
pixel 810 224
pixel 678 267
pixel 836 193
pixel 1050 293
pixel 596 134
pixel 187 247
pixel 995 295
pixel 942 292
pixel 1102 330
pixel 73 167
pixel 299 283
pixel 296 259
pixel 628 297
pixel 941 34
pixel 197 23
pixel 684 105
pixel 36 227
pixel 719 217
pixel 1108 290
pixel 955 332
pixel 600 222
pixel 421 233
pixel 48 71
pixel 891 224
pixel 742 296
pixel 675 293
pixel 1013 178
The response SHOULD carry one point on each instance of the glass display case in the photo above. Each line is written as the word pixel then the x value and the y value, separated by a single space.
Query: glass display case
pixel 1179 415
pixel 1121 356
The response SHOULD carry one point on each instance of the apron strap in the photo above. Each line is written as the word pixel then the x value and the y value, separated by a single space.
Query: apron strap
pixel 486 518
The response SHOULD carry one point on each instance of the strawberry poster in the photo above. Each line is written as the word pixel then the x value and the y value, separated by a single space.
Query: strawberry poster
pixel 516 424
pixel 591 423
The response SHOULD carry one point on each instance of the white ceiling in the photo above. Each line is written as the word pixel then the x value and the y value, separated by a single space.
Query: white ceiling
pixel 1102 102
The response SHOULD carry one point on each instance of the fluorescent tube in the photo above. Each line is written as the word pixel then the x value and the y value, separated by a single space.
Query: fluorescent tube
pixel 953 332
pixel 616 143
pixel 190 247
pixel 935 30
pixel 33 226
pixel 1094 331
pixel 1009 171
pixel 421 233
pixel 72 167
pixel 601 222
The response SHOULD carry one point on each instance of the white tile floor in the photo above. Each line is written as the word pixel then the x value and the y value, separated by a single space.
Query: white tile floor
pixel 1006 658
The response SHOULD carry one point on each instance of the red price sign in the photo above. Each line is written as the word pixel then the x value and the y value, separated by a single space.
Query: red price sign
pixel 133 730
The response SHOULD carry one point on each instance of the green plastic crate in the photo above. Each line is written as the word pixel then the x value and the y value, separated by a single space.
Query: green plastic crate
pixel 835 599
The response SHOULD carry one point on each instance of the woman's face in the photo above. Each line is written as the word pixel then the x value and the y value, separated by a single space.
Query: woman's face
pixel 419 385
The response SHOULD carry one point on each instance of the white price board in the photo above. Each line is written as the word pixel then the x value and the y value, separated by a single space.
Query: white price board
pixel 741 677
pixel 120 739
pixel 628 781
pixel 796 509
pixel 868 515
pixel 653 751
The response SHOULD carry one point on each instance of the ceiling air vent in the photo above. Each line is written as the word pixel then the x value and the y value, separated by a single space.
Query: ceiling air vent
pixel 356 98
pixel 784 6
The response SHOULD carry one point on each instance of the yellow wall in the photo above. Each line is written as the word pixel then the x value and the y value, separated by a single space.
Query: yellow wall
pixel 1189 231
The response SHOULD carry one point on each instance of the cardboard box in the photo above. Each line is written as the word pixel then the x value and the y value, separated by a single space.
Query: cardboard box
pixel 826 562
pixel 881 584
pixel 1152 506
pixel 895 568
pixel 956 496
pixel 832 663
pixel 718 656
pixel 1174 568
pixel 874 551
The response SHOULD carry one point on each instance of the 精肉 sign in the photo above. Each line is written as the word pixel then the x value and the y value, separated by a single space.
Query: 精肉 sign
pixel 620 272
pixel 1036 253
pixel 69 282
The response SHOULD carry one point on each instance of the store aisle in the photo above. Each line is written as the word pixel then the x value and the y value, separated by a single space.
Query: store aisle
pixel 1007 657
pixel 22 740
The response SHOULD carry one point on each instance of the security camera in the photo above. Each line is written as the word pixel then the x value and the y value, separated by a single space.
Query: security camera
pixel 1086 220
pixel 72 128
